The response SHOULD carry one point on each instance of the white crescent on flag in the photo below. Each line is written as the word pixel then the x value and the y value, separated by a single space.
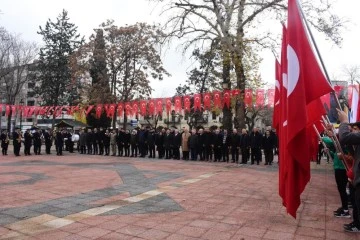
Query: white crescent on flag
pixel 293 70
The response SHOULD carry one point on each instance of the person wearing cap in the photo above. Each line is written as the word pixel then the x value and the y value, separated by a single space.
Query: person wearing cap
pixel 348 137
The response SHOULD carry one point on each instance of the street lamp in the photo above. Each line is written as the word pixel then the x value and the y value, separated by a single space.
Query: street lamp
pixel 21 104
pixel 225 85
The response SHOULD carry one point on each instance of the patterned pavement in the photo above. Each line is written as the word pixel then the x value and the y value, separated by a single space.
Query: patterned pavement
pixel 96 197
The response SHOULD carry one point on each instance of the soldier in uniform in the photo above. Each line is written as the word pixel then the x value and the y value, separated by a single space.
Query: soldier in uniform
pixel 28 142
pixel 17 142
pixel 4 141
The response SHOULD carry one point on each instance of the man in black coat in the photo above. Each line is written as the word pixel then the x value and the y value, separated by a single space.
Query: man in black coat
pixel 245 146
pixel 27 142
pixel 201 146
pixel 17 142
pixel 59 142
pixel 48 141
pixel 4 141
pixel 37 141
pixel 217 145
pixel 150 140
pixel 255 144
pixel 208 144
pixel 159 141
pixel 168 140
pixel 225 144
pixel 193 144
pixel 120 142
pixel 268 146
pixel 176 143
pixel 89 141
pixel 235 145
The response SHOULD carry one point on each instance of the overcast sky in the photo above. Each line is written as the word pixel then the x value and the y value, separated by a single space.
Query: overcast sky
pixel 25 17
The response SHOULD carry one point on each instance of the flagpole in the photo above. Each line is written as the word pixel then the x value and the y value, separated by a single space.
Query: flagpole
pixel 318 52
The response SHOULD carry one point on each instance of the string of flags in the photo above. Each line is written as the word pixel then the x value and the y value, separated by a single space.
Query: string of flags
pixel 200 102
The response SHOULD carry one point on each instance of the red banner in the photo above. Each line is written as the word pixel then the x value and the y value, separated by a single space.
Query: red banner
pixel 13 110
pixel 168 105
pixel 235 92
pixel 197 102
pixel 187 103
pixel 271 97
pixel 7 110
pixel 98 110
pixel 120 110
pixel 128 109
pixel 226 98
pixel 217 99
pixel 248 97
pixel 207 100
pixel 143 108
pixel 349 94
pixel 111 110
pixel 25 111
pixel 135 108
pixel 178 105
pixel 159 105
pixel 151 107
pixel 260 98
pixel 338 90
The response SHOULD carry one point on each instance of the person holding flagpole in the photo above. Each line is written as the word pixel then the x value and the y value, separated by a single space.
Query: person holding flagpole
pixel 349 137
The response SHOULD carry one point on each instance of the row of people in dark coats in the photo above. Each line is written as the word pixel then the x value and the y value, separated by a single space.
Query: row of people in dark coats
pixel 202 144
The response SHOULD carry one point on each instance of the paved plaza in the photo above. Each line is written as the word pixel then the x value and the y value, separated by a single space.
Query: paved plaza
pixel 96 197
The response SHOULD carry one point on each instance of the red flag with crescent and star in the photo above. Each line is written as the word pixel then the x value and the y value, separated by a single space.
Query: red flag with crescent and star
pixel 187 103
pixel 128 109
pixel 88 109
pixel 159 105
pixel 207 100
pixel 217 99
pixel 98 110
pixel 248 97
pixel 197 101
pixel 178 105
pixel 111 110
pixel 235 92
pixel 143 108
pixel 7 110
pixel 168 105
pixel 151 107
pixel 260 98
pixel 120 110
pixel 135 108
pixel 226 98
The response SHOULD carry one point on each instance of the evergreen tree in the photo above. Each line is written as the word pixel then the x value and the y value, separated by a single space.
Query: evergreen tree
pixel 100 89
pixel 61 39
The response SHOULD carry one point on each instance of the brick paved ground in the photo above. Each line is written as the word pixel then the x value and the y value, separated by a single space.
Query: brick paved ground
pixel 96 197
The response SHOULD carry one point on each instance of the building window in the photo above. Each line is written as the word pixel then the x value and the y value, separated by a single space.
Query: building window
pixel 31 94
pixel 31 103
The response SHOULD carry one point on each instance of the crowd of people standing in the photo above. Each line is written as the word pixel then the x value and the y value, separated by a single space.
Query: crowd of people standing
pixel 202 144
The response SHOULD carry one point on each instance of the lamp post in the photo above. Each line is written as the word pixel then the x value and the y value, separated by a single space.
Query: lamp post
pixel 21 104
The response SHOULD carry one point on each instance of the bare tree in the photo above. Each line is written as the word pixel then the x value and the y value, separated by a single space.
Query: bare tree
pixel 16 57
pixel 235 24
pixel 352 73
